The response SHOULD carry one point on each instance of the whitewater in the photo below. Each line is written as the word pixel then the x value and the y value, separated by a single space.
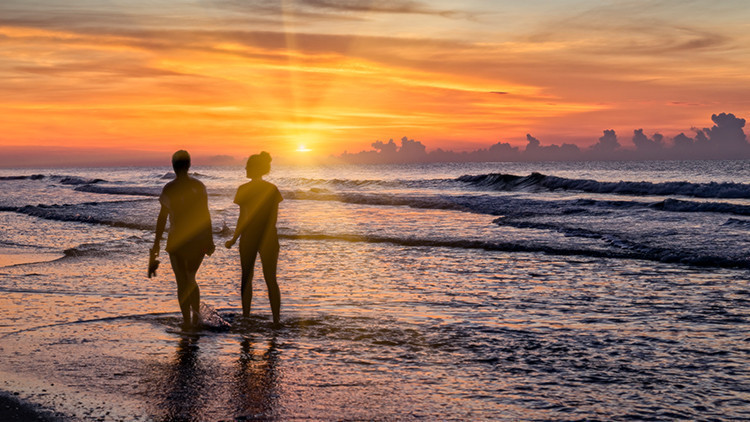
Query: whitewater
pixel 489 291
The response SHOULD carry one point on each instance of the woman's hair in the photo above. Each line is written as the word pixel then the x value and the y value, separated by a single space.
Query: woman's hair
pixel 181 161
pixel 259 164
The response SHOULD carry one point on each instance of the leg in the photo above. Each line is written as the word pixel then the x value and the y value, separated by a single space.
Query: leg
pixel 247 260
pixel 183 286
pixel 269 257
pixel 194 295
pixel 185 268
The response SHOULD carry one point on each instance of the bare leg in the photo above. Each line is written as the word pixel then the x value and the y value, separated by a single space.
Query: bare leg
pixel 247 259
pixel 188 293
pixel 194 296
pixel 269 257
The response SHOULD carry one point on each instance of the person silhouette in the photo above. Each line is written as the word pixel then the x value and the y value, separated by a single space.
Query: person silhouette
pixel 185 201
pixel 256 228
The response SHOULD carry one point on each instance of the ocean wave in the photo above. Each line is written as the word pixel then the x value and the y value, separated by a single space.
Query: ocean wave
pixel 75 180
pixel 676 205
pixel 122 214
pixel 414 201
pixel 30 177
pixel 735 222
pixel 539 182
pixel 491 205
pixel 170 175
pixel 303 182
pixel 640 252
pixel 62 179
pixel 120 190
pixel 90 213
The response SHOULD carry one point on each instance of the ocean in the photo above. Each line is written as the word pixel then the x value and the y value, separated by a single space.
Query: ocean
pixel 472 291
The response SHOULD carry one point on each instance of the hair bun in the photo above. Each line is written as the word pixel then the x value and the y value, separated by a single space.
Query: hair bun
pixel 259 164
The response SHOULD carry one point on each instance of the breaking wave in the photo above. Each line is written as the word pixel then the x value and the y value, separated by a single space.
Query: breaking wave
pixel 640 251
pixel 75 180
pixel 483 204
pixel 538 181
pixel 30 177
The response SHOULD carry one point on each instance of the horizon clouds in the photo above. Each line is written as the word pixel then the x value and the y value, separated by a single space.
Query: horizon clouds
pixel 726 139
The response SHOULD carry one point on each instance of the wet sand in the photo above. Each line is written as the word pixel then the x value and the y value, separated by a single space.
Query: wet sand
pixel 18 256
pixel 510 337
pixel 13 409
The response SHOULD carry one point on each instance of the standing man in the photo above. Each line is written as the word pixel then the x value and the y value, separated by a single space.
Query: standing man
pixel 185 201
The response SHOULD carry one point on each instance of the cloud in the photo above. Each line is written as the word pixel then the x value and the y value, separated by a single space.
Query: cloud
pixel 536 152
pixel 606 146
pixel 725 140
pixel 345 8
pixel 646 145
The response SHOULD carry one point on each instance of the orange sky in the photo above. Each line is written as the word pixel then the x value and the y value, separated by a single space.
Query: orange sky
pixel 233 77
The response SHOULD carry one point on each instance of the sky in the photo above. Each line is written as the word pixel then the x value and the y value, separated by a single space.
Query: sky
pixel 128 82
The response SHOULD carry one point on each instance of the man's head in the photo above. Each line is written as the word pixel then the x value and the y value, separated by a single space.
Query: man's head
pixel 181 161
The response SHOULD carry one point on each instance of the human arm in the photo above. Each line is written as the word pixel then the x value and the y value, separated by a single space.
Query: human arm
pixel 237 230
pixel 161 224
pixel 153 263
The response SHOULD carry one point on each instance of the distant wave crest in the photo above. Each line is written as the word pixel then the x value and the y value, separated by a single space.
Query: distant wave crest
pixel 120 190
pixel 29 177
pixel 538 181
pixel 631 252
pixel 303 182
pixel 513 206
pixel 62 179
pixel 75 180
pixel 676 205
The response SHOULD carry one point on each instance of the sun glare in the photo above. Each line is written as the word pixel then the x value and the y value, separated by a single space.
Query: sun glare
pixel 303 148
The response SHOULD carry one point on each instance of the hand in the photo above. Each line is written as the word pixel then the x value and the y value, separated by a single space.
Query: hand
pixel 230 243
pixel 153 263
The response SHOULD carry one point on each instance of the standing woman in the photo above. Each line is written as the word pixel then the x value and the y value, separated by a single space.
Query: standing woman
pixel 256 228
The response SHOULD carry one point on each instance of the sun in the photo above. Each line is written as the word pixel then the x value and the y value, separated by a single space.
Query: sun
pixel 303 148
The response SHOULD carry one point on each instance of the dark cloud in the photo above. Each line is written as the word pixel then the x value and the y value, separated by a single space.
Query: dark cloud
pixel 536 152
pixel 649 146
pixel 606 146
pixel 725 140
pixel 411 151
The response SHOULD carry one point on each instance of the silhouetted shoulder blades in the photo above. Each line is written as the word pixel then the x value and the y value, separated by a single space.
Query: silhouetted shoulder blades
pixel 183 189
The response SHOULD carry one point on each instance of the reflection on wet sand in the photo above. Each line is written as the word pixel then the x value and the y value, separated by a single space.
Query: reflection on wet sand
pixel 185 389
pixel 255 393
pixel 193 385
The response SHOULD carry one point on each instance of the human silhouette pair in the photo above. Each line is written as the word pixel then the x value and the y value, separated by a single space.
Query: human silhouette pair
pixel 184 202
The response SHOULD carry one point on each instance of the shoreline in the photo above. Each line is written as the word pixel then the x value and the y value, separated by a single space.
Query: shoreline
pixel 12 256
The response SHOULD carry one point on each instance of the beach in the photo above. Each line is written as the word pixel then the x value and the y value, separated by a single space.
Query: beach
pixel 413 295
